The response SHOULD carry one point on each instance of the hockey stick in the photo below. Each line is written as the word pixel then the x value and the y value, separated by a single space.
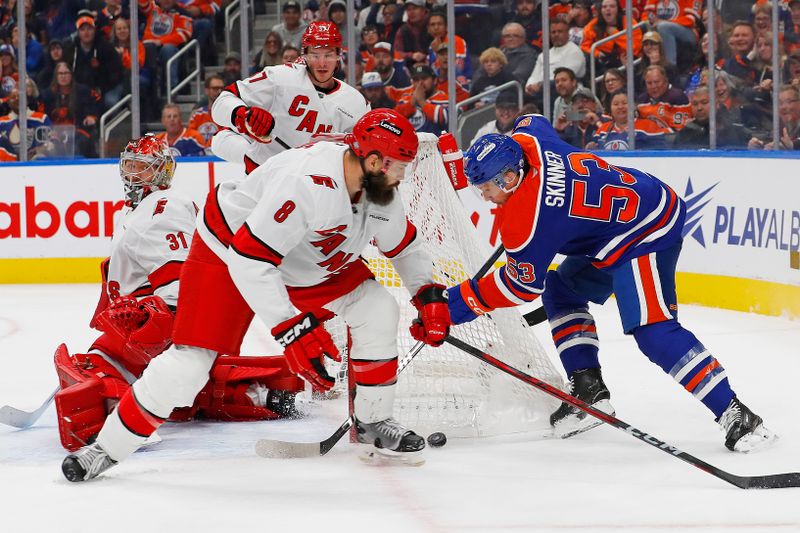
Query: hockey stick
pixel 771 481
pixel 287 450
pixel 279 449
pixel 11 416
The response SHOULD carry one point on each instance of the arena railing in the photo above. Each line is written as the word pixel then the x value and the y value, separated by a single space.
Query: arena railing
pixel 592 67
pixel 112 118
pixel 171 92
pixel 232 12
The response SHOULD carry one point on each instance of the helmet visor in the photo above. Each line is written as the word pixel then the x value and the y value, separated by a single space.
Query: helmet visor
pixel 394 168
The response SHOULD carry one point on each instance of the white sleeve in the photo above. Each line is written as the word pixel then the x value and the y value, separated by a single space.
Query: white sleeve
pixel 163 245
pixel 536 74
pixel 402 244
pixel 230 146
pixel 258 90
pixel 575 60
pixel 276 225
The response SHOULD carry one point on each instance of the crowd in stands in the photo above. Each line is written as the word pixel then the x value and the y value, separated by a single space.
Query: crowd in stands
pixel 78 59
pixel 503 39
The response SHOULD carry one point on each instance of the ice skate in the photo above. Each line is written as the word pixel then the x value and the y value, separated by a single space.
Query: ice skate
pixel 744 430
pixel 586 385
pixel 87 463
pixel 392 443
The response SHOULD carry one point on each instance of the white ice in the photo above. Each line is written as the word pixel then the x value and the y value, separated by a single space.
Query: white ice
pixel 206 477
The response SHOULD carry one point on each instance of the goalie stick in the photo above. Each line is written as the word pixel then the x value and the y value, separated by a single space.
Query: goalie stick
pixel 11 416
pixel 770 481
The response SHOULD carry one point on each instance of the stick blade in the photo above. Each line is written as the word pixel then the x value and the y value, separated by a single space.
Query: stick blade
pixel 774 481
pixel 279 449
pixel 11 416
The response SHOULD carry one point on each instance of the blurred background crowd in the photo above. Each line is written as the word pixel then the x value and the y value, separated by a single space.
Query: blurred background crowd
pixel 78 61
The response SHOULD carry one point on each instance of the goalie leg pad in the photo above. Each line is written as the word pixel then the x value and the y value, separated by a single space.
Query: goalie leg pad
pixel 90 387
pixel 249 388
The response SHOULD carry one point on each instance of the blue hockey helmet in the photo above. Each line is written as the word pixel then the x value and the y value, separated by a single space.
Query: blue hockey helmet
pixel 491 157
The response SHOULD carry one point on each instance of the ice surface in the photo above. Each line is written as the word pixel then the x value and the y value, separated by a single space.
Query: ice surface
pixel 206 477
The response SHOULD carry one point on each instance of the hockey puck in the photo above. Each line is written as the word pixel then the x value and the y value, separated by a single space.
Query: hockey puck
pixel 437 440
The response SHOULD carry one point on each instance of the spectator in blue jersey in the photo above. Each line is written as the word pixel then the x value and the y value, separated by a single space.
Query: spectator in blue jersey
pixel 182 141
pixel 613 134
pixel 34 52
pixel 393 74
pixel 38 129
pixel 742 40
pixel 619 230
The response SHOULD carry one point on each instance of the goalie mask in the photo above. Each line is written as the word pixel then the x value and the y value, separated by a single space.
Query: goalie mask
pixel 145 165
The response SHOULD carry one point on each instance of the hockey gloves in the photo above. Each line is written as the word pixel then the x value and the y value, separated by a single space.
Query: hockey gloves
pixel 305 341
pixel 433 323
pixel 255 122
pixel 145 326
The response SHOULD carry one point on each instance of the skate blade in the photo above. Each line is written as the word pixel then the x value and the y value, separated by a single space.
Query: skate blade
pixel 581 422
pixel 383 457
pixel 760 439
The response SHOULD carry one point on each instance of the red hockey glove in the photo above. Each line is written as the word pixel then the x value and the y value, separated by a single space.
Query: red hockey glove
pixel 433 323
pixel 305 342
pixel 145 326
pixel 255 122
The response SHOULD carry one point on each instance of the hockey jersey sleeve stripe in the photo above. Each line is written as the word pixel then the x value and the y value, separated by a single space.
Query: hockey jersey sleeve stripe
pixel 234 88
pixel 167 273
pixel 215 221
pixel 408 238
pixel 144 290
pixel 491 293
pixel 375 373
pixel 136 418
pixel 248 245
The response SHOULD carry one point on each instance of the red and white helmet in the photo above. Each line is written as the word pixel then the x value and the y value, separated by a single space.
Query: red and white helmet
pixel 386 132
pixel 321 34
pixel 145 165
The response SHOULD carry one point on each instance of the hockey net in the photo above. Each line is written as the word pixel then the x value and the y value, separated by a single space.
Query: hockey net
pixel 444 389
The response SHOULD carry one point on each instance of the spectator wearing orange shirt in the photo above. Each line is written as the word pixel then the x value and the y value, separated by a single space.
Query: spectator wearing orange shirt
pixel 609 21
pixel 677 22
pixel 200 118
pixel 423 104
pixel 166 29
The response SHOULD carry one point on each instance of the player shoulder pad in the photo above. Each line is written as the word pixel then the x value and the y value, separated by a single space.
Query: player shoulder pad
pixel 536 125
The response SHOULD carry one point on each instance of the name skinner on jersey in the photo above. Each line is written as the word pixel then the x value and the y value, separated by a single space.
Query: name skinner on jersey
pixel 555 187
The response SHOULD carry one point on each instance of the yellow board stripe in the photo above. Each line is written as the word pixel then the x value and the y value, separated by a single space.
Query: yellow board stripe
pixel 51 270
pixel 726 292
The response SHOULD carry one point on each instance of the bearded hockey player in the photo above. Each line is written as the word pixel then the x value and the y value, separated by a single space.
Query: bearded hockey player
pixel 136 308
pixel 620 230
pixel 288 238
pixel 282 106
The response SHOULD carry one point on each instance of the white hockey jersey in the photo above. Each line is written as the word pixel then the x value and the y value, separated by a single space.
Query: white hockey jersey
pixel 299 108
pixel 150 244
pixel 291 224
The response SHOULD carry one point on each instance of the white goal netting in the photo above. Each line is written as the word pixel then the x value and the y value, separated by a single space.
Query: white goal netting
pixel 444 389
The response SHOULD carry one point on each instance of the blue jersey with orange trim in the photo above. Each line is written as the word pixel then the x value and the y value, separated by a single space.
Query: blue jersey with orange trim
pixel 575 203
pixel 189 143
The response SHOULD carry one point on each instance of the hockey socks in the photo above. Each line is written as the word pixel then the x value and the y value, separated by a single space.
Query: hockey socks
pixel 678 352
